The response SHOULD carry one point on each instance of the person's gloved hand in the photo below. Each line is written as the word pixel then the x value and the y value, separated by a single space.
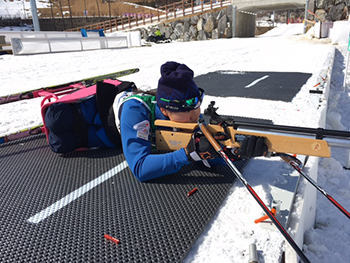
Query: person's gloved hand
pixel 231 153
pixel 200 149
pixel 252 146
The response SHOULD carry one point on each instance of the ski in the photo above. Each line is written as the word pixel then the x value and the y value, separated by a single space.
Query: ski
pixel 22 134
pixel 296 165
pixel 64 87
pixel 238 174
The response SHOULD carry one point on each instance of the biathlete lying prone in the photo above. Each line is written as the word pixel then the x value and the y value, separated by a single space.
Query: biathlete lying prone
pixel 177 99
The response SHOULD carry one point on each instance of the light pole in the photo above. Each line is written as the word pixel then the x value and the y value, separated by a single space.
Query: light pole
pixel 35 17
pixel 109 7
pixel 24 10
pixel 70 14
pixel 52 15
pixel 306 8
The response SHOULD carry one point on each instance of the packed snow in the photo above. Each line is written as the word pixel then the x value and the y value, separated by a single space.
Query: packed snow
pixel 227 237
pixel 19 8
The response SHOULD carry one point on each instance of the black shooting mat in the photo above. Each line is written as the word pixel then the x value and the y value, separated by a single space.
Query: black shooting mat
pixel 155 221
pixel 280 86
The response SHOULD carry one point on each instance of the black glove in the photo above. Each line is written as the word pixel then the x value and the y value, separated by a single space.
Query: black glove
pixel 200 149
pixel 231 153
pixel 252 146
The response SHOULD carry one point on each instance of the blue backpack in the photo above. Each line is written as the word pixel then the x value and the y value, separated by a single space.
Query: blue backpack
pixel 84 118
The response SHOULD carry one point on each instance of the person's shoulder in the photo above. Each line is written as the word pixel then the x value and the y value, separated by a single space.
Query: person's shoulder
pixel 137 102
pixel 133 101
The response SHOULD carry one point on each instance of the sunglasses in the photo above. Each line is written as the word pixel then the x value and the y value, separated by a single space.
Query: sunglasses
pixel 192 103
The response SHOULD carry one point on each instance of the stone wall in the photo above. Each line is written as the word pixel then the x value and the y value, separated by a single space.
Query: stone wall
pixel 219 24
pixel 197 27
pixel 331 10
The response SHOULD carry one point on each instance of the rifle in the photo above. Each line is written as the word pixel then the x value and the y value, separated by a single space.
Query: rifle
pixel 279 138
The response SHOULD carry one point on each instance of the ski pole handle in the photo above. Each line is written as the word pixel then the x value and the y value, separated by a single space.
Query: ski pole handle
pixel 208 135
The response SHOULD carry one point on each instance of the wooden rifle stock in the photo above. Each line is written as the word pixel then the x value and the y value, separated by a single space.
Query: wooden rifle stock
pixel 279 139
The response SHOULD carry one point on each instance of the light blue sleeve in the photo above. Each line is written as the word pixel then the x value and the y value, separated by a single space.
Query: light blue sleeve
pixel 145 165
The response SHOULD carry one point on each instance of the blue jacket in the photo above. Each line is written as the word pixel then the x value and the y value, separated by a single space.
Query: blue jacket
pixel 137 150
pixel 137 145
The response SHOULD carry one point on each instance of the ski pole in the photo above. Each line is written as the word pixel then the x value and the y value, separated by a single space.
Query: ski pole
pixel 238 174
pixel 287 159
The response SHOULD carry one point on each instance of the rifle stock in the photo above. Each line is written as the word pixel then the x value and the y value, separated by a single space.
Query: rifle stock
pixel 278 142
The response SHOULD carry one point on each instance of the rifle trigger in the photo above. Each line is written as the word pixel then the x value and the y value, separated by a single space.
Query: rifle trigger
pixel 221 136
pixel 224 125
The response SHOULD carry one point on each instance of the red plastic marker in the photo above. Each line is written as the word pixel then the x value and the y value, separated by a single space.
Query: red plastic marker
pixel 263 218
pixel 192 191
pixel 114 240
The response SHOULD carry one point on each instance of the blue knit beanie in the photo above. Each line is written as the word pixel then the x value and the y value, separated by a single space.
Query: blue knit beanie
pixel 175 86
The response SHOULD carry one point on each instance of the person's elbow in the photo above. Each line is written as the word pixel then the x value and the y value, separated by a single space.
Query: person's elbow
pixel 140 177
pixel 141 173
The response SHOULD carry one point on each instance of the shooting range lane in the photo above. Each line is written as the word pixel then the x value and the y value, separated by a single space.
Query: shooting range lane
pixel 278 86
pixel 58 208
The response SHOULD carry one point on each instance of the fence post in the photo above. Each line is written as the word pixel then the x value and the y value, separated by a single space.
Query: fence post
pixel 305 18
pixel 115 25
pixel 174 10
pixel 192 7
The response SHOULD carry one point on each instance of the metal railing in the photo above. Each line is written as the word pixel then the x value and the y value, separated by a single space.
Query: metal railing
pixel 167 12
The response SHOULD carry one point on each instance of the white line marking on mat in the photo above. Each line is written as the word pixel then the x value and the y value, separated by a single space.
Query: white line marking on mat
pixel 256 81
pixel 76 194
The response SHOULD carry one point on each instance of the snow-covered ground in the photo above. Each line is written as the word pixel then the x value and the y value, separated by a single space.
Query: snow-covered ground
pixel 19 8
pixel 227 237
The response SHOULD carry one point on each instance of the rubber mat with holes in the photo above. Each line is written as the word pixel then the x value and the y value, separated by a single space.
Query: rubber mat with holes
pixel 58 208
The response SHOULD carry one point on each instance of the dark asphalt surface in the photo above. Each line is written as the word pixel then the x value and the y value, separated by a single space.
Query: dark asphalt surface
pixel 277 86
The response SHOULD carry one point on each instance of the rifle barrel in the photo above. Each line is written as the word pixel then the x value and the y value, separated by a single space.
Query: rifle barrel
pixel 339 142
pixel 319 133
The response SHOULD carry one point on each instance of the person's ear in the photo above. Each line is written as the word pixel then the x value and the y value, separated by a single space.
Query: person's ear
pixel 164 111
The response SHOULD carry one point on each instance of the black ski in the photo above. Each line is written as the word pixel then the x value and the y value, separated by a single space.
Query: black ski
pixel 63 87
pixel 22 134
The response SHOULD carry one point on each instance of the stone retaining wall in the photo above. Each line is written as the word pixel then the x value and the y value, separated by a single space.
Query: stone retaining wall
pixel 197 27
pixel 332 10
pixel 219 24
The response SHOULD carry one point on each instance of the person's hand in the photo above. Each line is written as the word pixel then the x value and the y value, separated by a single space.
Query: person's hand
pixel 200 149
pixel 252 146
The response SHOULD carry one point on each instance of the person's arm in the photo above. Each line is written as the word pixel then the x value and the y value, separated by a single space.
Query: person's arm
pixel 137 150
